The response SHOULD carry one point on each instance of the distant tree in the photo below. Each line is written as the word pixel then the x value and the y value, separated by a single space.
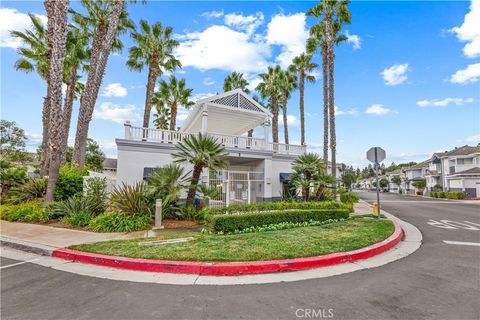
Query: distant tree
pixel 420 184
pixel 12 142
pixel 94 156
pixel 235 80
pixel 397 180
pixel 348 178
pixel 383 183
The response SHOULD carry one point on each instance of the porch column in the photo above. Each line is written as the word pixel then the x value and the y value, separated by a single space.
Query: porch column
pixel 204 120
pixel 266 130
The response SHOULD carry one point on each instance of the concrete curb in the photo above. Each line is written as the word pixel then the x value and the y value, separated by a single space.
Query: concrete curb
pixel 232 268
pixel 27 246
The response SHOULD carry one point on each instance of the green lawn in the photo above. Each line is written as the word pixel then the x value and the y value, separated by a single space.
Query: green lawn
pixel 298 242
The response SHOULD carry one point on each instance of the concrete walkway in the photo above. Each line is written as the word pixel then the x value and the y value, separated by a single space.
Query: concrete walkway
pixel 48 238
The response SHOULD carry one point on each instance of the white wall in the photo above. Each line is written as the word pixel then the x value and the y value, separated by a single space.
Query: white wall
pixel 279 165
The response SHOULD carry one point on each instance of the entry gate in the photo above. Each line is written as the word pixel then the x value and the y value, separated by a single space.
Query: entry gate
pixel 235 187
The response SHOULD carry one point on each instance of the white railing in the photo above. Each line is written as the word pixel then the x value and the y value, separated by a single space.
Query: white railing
pixel 229 141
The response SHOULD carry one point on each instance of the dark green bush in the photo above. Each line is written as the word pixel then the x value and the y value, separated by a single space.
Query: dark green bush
pixel 132 200
pixel 70 182
pixel 349 198
pixel 116 222
pixel 232 222
pixel 280 205
pixel 455 195
pixel 78 219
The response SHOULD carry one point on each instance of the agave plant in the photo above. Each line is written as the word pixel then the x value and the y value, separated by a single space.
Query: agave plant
pixel 75 205
pixel 131 200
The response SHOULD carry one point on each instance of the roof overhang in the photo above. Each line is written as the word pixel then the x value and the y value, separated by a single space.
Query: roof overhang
pixel 229 113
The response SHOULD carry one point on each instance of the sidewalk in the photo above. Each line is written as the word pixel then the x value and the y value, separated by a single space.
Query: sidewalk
pixel 48 238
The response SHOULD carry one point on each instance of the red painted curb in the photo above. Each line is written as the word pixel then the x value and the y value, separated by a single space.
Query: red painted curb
pixel 231 268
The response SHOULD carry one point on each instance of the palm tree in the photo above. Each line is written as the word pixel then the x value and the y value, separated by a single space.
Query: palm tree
pixel 201 151
pixel 161 119
pixel 234 81
pixel 167 182
pixel 105 21
pixel 331 12
pixel 303 66
pixel 306 166
pixel 57 23
pixel 171 95
pixel 269 88
pixel 154 48
pixel 34 57
pixel 288 83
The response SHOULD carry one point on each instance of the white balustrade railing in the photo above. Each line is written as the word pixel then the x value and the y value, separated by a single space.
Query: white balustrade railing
pixel 230 141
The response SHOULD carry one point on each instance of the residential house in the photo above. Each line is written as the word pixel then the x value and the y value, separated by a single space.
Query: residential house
pixel 392 187
pixel 258 170
pixel 412 174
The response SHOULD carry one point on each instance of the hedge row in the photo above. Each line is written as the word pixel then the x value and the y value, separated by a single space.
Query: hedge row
pixel 349 198
pixel 280 205
pixel 448 195
pixel 230 223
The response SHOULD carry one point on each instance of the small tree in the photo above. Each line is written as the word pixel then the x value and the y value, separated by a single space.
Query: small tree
pixel 348 178
pixel 94 156
pixel 420 185
pixel 397 181
pixel 12 142
pixel 383 183
pixel 201 151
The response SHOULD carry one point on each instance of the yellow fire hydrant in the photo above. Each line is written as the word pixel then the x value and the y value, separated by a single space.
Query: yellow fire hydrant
pixel 375 209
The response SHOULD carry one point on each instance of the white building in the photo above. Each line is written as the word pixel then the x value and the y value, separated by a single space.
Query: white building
pixel 412 174
pixel 257 169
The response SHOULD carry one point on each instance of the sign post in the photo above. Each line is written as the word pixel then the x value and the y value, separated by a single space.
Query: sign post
pixel 376 155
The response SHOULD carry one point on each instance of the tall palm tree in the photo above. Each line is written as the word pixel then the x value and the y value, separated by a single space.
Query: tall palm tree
pixel 287 83
pixel 34 57
pixel 234 81
pixel 171 95
pixel 162 116
pixel 57 20
pixel 201 151
pixel 303 66
pixel 154 48
pixel 331 12
pixel 105 21
pixel 269 88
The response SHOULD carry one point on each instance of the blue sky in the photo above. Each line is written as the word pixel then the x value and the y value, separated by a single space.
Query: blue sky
pixel 407 80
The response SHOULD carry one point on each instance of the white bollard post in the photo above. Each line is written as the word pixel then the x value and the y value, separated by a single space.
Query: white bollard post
pixel 158 215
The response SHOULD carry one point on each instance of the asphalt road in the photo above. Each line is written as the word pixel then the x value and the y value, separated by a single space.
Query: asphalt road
pixel 438 281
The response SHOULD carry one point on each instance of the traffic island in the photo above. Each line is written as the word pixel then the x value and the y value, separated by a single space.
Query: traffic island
pixel 252 253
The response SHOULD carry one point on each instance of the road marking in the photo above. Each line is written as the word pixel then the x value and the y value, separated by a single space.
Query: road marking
pixel 476 244
pixel 449 224
pixel 17 264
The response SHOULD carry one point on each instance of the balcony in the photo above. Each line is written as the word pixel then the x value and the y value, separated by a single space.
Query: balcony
pixel 228 141
pixel 462 167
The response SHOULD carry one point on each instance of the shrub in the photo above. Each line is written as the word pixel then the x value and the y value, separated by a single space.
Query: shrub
pixel 349 198
pixel 74 205
pixel 419 193
pixel 96 192
pixel 341 190
pixel 230 223
pixel 32 189
pixel 190 212
pixel 78 219
pixel 455 195
pixel 280 205
pixel 31 211
pixel 132 200
pixel 434 194
pixel 326 195
pixel 115 222
pixel 70 182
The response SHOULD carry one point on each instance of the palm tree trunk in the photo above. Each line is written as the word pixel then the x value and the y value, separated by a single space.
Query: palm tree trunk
pixel 173 116
pixel 274 106
pixel 67 113
pixel 302 108
pixel 331 100
pixel 197 170
pixel 325 103
pixel 94 81
pixel 285 118
pixel 152 78
pixel 56 76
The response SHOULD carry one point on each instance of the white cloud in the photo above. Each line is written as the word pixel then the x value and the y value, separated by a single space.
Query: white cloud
pixel 396 74
pixel 212 14
pixel 378 109
pixel 469 31
pixel 115 90
pixel 444 102
pixel 474 138
pixel 245 23
pixel 208 81
pixel 339 112
pixel 292 120
pixel 354 39
pixel 288 32
pixel 220 47
pixel 470 74
pixel 202 95
pixel 116 113
pixel 11 19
